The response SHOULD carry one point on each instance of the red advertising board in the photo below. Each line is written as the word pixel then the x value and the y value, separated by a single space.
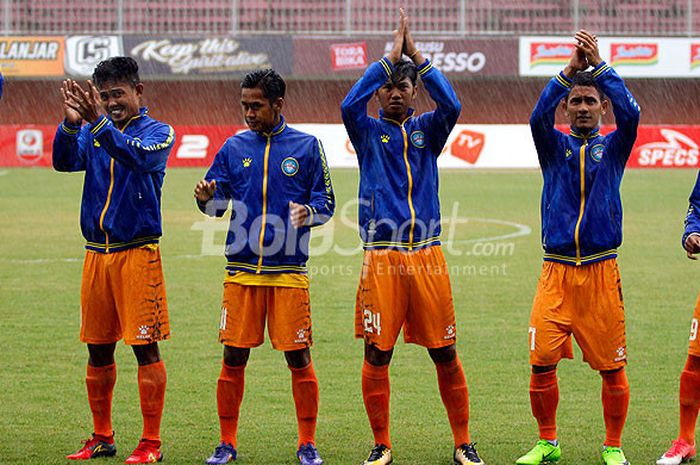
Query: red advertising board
pixel 30 145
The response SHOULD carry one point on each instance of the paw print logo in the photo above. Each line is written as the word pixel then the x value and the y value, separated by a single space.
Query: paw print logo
pixel 620 354
pixel 247 162
pixel 568 153
pixel 301 336
pixel 450 330
pixel 385 138
pixel 143 330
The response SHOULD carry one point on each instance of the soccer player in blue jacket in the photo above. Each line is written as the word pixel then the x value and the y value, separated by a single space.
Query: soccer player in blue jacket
pixel 405 281
pixel 579 290
pixel 683 448
pixel 278 183
pixel 123 152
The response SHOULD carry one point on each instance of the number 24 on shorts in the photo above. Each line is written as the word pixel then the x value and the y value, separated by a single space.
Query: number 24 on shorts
pixel 373 322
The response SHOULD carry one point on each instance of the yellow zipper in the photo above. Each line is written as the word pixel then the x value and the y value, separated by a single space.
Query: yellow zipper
pixel 582 155
pixel 410 187
pixel 264 204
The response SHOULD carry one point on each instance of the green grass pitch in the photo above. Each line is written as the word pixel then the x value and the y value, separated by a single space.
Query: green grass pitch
pixel 43 406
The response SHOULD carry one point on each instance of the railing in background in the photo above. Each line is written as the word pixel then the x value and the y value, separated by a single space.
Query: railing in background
pixel 351 17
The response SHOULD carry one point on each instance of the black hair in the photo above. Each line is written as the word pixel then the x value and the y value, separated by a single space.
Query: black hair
pixel 116 69
pixel 404 69
pixel 585 79
pixel 267 80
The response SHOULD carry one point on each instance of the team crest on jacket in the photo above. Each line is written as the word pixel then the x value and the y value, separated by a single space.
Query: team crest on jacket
pixel 290 166
pixel 418 139
pixel 597 152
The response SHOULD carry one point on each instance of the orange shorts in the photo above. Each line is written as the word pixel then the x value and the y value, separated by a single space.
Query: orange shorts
pixel 694 343
pixel 405 289
pixel 585 301
pixel 245 308
pixel 123 295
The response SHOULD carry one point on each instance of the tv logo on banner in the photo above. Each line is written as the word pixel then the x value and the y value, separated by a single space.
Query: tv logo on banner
pixel 30 145
pixel 85 52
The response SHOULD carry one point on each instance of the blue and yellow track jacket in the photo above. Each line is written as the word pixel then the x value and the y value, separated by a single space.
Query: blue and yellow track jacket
pixel 399 204
pixel 259 174
pixel 124 173
pixel 692 219
pixel 581 207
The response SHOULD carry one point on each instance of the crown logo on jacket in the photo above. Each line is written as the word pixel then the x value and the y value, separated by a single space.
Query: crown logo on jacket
pixel 247 162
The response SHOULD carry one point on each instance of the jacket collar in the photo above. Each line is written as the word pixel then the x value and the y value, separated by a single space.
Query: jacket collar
pixel 281 126
pixel 411 111
pixel 594 133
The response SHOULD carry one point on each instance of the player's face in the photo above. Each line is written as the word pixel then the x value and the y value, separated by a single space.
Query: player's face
pixel 260 114
pixel 396 99
pixel 585 108
pixel 121 100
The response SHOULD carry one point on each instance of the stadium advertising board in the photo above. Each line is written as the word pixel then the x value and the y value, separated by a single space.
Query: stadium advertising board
pixel 31 56
pixel 207 56
pixel 347 57
pixel 469 146
pixel 631 57
pixel 83 53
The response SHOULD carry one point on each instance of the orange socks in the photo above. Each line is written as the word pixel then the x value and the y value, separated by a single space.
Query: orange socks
pixel 376 392
pixel 152 379
pixel 690 398
pixel 544 399
pixel 229 395
pixel 305 391
pixel 616 399
pixel 100 386
pixel 455 397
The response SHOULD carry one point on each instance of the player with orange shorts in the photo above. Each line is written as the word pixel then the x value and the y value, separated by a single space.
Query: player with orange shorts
pixel 404 281
pixel 683 448
pixel 279 185
pixel 579 290
pixel 123 152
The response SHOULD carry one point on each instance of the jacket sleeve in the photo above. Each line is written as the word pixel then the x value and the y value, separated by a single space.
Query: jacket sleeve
pixel 625 108
pixel 218 172
pixel 443 119
pixel 544 134
pixel 322 200
pixel 69 148
pixel 354 106
pixel 2 84
pixel 147 155
pixel 692 218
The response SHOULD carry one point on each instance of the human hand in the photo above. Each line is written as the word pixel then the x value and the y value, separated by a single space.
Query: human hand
pixel 692 246
pixel 399 37
pixel 85 102
pixel 71 115
pixel 587 43
pixel 204 190
pixel 298 214
pixel 409 46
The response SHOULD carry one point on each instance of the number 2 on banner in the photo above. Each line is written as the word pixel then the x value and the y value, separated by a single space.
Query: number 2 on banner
pixel 373 322
pixel 531 332
pixel 693 329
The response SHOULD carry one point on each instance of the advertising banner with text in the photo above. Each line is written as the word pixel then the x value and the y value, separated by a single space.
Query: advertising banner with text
pixel 31 56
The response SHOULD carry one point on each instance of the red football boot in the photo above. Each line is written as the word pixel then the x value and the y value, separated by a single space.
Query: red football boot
pixel 148 451
pixel 96 446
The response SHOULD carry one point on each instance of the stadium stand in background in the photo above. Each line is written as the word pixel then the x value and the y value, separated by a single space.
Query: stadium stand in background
pixel 338 17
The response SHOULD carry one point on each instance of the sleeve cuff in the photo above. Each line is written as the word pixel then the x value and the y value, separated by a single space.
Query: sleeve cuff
pixel 70 129
pixel 563 80
pixel 424 68
pixel 97 127
pixel 309 219
pixel 687 235
pixel 388 67
pixel 599 70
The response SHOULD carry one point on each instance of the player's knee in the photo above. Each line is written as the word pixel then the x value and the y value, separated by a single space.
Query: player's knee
pixel 543 368
pixel 298 358
pixel 147 354
pixel 377 357
pixel 235 356
pixel 443 354
pixel 101 355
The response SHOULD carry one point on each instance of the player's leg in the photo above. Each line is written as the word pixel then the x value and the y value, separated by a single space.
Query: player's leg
pixel 305 393
pixel 242 326
pixel 380 311
pixel 549 341
pixel 599 329
pixel 100 329
pixel 289 328
pixel 139 290
pixel 430 322
pixel 683 448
